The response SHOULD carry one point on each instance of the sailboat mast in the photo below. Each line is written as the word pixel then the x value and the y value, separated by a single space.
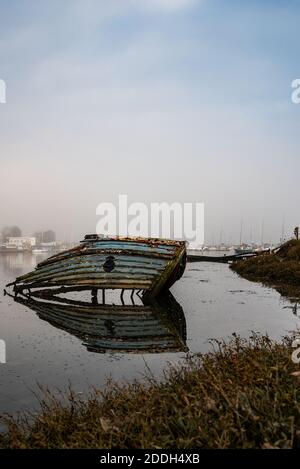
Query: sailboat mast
pixel 262 233
pixel 241 232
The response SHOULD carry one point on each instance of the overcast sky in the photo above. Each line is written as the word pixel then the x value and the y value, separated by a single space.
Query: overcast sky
pixel 163 100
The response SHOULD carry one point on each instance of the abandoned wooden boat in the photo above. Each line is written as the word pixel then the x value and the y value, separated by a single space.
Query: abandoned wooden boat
pixel 149 265
pixel 152 328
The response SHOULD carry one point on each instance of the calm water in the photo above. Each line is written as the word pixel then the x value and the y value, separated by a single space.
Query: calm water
pixel 215 303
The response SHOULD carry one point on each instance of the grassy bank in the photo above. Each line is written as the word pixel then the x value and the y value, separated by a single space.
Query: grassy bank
pixel 245 394
pixel 281 268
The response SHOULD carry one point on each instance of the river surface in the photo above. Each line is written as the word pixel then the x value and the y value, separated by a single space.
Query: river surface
pixel 212 302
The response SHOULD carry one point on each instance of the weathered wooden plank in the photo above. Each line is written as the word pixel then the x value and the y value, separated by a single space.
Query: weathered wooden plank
pixel 120 263
pixel 91 271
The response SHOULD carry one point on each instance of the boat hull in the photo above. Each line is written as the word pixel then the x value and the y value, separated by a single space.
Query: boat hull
pixel 149 265
pixel 243 251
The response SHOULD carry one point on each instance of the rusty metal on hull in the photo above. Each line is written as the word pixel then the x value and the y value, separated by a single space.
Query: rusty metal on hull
pixel 150 265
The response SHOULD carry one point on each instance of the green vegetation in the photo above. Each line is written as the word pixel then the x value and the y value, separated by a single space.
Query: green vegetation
pixel 245 394
pixel 281 268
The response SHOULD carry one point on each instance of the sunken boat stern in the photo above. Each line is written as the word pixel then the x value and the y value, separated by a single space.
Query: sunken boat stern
pixel 147 265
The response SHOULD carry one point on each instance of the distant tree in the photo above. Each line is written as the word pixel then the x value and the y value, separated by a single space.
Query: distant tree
pixel 38 235
pixel 10 231
pixel 48 236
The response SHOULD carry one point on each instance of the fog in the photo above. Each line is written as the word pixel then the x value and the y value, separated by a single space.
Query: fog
pixel 165 101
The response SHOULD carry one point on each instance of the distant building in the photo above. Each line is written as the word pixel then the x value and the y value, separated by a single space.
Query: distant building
pixel 21 242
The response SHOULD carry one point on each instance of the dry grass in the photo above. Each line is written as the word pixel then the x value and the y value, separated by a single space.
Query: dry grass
pixel 241 395
pixel 282 268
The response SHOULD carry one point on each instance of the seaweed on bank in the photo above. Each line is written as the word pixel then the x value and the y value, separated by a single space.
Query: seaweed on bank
pixel 245 394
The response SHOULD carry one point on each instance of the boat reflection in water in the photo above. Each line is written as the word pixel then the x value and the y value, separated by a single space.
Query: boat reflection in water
pixel 138 328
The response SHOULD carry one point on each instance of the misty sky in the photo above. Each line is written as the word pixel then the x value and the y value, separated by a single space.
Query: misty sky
pixel 163 100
